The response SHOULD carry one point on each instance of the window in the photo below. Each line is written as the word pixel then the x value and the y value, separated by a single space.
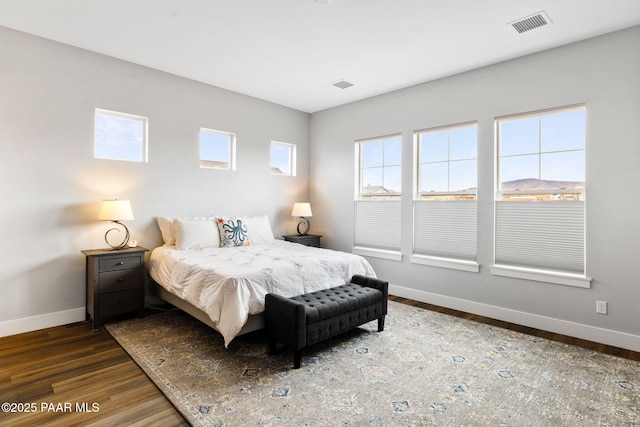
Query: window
pixel 445 207
pixel 283 158
pixel 380 168
pixel 542 156
pixel 540 194
pixel 378 196
pixel 217 149
pixel 120 136
pixel 447 163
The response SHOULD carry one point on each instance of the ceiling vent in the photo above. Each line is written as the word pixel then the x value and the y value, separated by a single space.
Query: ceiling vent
pixel 532 22
pixel 342 84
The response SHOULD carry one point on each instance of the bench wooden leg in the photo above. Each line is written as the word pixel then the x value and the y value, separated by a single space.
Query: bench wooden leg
pixel 297 359
pixel 381 324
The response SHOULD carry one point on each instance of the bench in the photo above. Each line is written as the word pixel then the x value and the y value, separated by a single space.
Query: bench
pixel 307 319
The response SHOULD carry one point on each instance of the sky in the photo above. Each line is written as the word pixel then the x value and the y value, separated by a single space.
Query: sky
pixel 118 138
pixel 547 146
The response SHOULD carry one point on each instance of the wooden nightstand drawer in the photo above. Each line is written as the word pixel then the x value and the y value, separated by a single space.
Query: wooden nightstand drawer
pixel 118 263
pixel 118 280
pixel 117 302
pixel 115 282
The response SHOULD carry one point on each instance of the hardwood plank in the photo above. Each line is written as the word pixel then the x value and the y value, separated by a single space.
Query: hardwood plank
pixel 73 364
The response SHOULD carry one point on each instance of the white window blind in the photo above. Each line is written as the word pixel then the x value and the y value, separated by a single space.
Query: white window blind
pixel 445 228
pixel 547 235
pixel 377 224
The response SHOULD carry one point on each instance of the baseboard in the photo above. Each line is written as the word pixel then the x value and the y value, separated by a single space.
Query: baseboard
pixel 42 321
pixel 572 329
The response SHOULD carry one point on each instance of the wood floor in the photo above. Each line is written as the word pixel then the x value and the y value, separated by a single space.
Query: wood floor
pixel 75 366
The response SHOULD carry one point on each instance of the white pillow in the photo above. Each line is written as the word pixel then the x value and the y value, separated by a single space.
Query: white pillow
pixel 196 234
pixel 259 229
pixel 166 228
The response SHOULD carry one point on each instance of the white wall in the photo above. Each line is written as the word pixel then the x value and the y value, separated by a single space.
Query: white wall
pixel 604 73
pixel 51 185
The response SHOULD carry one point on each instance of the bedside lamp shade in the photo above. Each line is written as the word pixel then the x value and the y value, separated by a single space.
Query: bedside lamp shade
pixel 116 211
pixel 302 210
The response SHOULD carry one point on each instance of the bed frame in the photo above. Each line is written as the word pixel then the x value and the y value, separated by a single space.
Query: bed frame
pixel 254 323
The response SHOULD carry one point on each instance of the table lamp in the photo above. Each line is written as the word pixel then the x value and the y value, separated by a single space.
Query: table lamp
pixel 302 210
pixel 116 211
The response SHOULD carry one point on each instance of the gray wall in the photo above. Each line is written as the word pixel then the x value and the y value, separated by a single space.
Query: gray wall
pixel 604 73
pixel 51 185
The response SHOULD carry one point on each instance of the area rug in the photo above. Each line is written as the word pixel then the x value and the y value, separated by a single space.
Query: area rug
pixel 424 369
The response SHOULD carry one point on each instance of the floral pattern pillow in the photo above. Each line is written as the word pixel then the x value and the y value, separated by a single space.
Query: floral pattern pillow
pixel 233 232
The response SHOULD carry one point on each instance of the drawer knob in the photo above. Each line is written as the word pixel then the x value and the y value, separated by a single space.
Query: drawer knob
pixel 120 280
pixel 121 263
pixel 120 300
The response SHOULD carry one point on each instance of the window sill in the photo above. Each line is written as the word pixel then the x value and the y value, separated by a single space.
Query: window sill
pixel 557 278
pixel 450 263
pixel 377 253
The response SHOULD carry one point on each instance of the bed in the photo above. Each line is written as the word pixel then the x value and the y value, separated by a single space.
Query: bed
pixel 219 269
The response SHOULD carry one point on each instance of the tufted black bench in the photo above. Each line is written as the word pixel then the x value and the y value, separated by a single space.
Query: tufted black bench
pixel 303 320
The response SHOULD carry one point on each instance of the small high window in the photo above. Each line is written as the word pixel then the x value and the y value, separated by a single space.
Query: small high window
pixel 283 158
pixel 217 149
pixel 120 136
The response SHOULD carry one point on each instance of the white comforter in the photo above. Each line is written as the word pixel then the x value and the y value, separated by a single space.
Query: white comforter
pixel 229 284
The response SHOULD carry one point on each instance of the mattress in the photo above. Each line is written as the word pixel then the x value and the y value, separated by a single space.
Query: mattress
pixel 230 284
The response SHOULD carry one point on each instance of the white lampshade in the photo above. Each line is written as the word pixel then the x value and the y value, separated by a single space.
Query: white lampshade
pixel 115 210
pixel 301 209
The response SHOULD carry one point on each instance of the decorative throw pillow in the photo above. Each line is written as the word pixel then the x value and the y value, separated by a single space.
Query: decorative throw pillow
pixel 233 232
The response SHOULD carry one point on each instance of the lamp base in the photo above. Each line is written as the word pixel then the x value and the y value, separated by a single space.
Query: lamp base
pixel 304 222
pixel 121 245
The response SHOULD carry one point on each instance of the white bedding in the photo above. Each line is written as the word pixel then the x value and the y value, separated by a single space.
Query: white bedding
pixel 229 284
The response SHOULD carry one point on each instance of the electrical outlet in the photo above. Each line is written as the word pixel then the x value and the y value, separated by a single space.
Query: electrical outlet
pixel 601 307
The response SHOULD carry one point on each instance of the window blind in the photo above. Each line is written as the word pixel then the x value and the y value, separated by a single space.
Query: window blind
pixel 546 235
pixel 377 224
pixel 445 228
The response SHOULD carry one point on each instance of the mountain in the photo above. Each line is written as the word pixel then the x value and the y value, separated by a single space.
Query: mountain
pixel 534 184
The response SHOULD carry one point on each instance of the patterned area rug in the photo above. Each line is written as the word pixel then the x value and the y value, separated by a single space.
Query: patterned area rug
pixel 426 368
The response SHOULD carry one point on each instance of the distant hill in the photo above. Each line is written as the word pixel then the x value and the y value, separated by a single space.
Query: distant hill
pixel 532 184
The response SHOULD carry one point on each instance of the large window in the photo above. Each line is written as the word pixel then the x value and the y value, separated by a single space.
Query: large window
pixel 445 209
pixel 120 136
pixel 540 193
pixel 283 158
pixel 542 156
pixel 378 194
pixel 448 163
pixel 380 167
pixel 217 149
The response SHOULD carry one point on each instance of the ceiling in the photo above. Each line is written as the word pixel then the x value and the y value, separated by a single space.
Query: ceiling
pixel 290 52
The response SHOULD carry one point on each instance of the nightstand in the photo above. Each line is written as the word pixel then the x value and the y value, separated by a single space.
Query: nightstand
pixel 115 282
pixel 307 239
